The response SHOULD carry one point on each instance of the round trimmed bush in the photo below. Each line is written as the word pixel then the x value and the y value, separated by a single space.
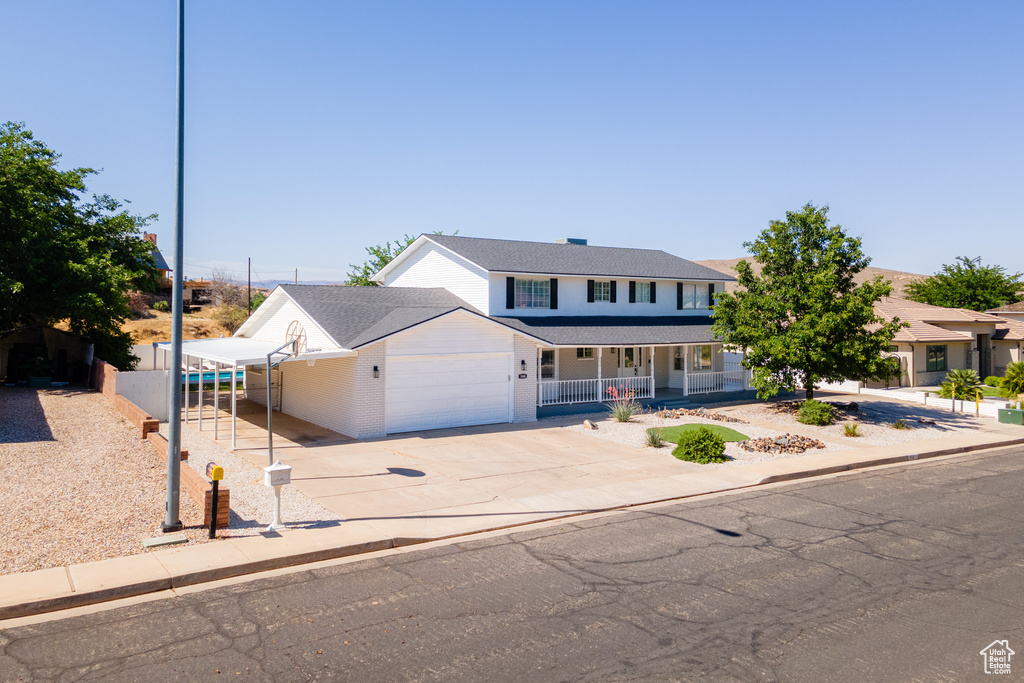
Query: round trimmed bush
pixel 701 446
pixel 815 413
pixel 161 306
pixel 993 381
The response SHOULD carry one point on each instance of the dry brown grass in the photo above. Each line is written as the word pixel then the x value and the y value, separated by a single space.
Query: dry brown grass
pixel 158 328
pixel 899 278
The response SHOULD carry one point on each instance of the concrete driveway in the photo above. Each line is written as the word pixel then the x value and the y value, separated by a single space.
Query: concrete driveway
pixel 456 480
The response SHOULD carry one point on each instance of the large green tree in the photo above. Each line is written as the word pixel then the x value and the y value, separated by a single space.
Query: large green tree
pixel 64 259
pixel 380 256
pixel 968 284
pixel 803 318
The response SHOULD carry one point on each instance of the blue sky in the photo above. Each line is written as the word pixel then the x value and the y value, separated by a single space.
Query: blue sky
pixel 315 129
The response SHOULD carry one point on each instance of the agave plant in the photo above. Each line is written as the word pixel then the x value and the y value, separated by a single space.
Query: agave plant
pixel 961 383
pixel 1012 385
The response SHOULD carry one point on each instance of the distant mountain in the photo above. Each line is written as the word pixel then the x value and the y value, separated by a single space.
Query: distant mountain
pixel 898 278
pixel 270 284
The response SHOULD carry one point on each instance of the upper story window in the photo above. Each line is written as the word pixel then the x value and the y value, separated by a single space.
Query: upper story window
pixel 533 293
pixel 692 296
pixel 602 290
pixel 643 292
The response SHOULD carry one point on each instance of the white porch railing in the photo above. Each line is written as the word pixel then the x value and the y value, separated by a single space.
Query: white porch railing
pixel 593 390
pixel 713 382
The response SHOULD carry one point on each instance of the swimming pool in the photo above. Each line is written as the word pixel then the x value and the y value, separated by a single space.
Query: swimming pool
pixel 208 376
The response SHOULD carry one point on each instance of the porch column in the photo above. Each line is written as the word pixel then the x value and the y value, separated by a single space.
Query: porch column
pixel 686 370
pixel 651 361
pixel 216 397
pixel 234 402
pixel 599 349
pixel 185 357
pixel 540 400
pixel 199 394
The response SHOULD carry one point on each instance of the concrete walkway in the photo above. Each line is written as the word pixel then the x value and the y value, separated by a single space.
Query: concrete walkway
pixel 522 488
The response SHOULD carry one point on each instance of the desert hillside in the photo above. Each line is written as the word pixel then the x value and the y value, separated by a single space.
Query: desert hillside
pixel 898 278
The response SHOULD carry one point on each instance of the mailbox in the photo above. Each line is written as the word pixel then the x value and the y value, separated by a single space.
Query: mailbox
pixel 277 474
pixel 214 471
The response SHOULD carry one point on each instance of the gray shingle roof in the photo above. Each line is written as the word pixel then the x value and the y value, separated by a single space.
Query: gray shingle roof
pixel 509 256
pixel 159 260
pixel 356 316
pixel 614 330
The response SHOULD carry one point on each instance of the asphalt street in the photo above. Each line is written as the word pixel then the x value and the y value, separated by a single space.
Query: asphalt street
pixel 896 574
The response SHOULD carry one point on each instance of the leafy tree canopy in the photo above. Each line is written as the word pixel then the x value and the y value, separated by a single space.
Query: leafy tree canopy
pixel 62 258
pixel 803 318
pixel 380 256
pixel 968 284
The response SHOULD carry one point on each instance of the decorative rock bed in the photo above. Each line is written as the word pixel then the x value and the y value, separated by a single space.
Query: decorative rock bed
pixel 787 443
pixel 676 413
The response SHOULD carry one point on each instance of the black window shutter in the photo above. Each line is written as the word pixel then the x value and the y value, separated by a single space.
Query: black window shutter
pixel 711 294
pixel 554 293
pixel 652 293
pixel 590 291
pixel 632 291
pixel 510 292
pixel 611 292
pixel 679 296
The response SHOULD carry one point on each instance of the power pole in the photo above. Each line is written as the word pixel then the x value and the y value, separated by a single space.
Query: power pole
pixel 249 288
pixel 296 276
pixel 172 521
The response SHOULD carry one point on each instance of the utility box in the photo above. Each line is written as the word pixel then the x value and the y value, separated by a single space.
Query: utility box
pixel 1011 416
pixel 277 474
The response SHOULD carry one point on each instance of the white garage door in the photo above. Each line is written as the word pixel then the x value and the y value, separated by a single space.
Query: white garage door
pixel 433 392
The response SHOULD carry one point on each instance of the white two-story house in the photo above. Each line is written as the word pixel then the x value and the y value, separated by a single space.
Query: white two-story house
pixel 468 331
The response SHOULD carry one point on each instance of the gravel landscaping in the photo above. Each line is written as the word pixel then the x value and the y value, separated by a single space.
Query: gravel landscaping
pixel 79 485
pixel 777 418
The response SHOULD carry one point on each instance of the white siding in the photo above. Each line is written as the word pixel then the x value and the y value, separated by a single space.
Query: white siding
pixel 431 266
pixel 458 332
pixel 321 394
pixel 572 298
pixel 275 325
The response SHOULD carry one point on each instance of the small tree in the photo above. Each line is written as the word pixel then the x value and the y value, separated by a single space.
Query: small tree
pixel 968 284
pixel 803 319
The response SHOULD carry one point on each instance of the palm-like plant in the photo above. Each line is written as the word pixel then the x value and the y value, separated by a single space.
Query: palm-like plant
pixel 961 384
pixel 1012 385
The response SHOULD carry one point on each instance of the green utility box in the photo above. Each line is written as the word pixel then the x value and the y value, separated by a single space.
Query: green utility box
pixel 1011 416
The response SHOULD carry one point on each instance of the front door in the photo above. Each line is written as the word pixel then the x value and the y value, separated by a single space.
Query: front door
pixel 630 361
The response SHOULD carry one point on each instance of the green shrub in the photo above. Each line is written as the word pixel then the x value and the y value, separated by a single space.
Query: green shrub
pixel 993 381
pixel 161 306
pixel 850 429
pixel 654 439
pixel 1012 385
pixel 900 424
pixel 815 413
pixel 961 384
pixel 701 446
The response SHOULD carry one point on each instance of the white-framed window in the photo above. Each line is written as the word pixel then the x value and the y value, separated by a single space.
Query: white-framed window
pixel 678 362
pixel 702 357
pixel 643 292
pixel 695 296
pixel 602 290
pixel 584 352
pixel 533 293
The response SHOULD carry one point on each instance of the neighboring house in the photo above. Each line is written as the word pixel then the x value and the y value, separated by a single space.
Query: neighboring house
pixel 158 258
pixel 1009 311
pixel 476 331
pixel 942 339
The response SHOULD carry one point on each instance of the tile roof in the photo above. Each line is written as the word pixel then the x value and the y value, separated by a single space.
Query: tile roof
pixel 606 330
pixel 1009 330
pixel 905 309
pixel 356 316
pixel 548 258
pixel 926 322
pixel 1009 308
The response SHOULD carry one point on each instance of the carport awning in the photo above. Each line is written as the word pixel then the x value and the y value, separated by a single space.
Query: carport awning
pixel 245 351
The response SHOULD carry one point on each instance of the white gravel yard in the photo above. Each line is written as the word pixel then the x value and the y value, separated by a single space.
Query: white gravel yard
pixel 78 484
pixel 874 420
pixel 252 503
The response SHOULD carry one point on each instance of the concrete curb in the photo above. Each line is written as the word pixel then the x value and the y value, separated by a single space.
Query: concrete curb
pixel 55 588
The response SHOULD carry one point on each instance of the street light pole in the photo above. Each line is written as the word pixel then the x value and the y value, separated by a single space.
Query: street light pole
pixel 172 521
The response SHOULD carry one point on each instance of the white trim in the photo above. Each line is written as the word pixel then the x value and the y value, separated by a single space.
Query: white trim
pixel 503 326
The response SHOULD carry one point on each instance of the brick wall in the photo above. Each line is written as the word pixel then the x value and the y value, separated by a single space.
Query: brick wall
pixel 368 400
pixel 525 390
pixel 104 378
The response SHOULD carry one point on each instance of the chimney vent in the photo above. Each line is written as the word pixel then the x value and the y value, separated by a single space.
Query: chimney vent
pixel 571 240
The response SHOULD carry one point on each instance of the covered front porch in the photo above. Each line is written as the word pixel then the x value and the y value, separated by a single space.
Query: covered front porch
pixel 594 374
